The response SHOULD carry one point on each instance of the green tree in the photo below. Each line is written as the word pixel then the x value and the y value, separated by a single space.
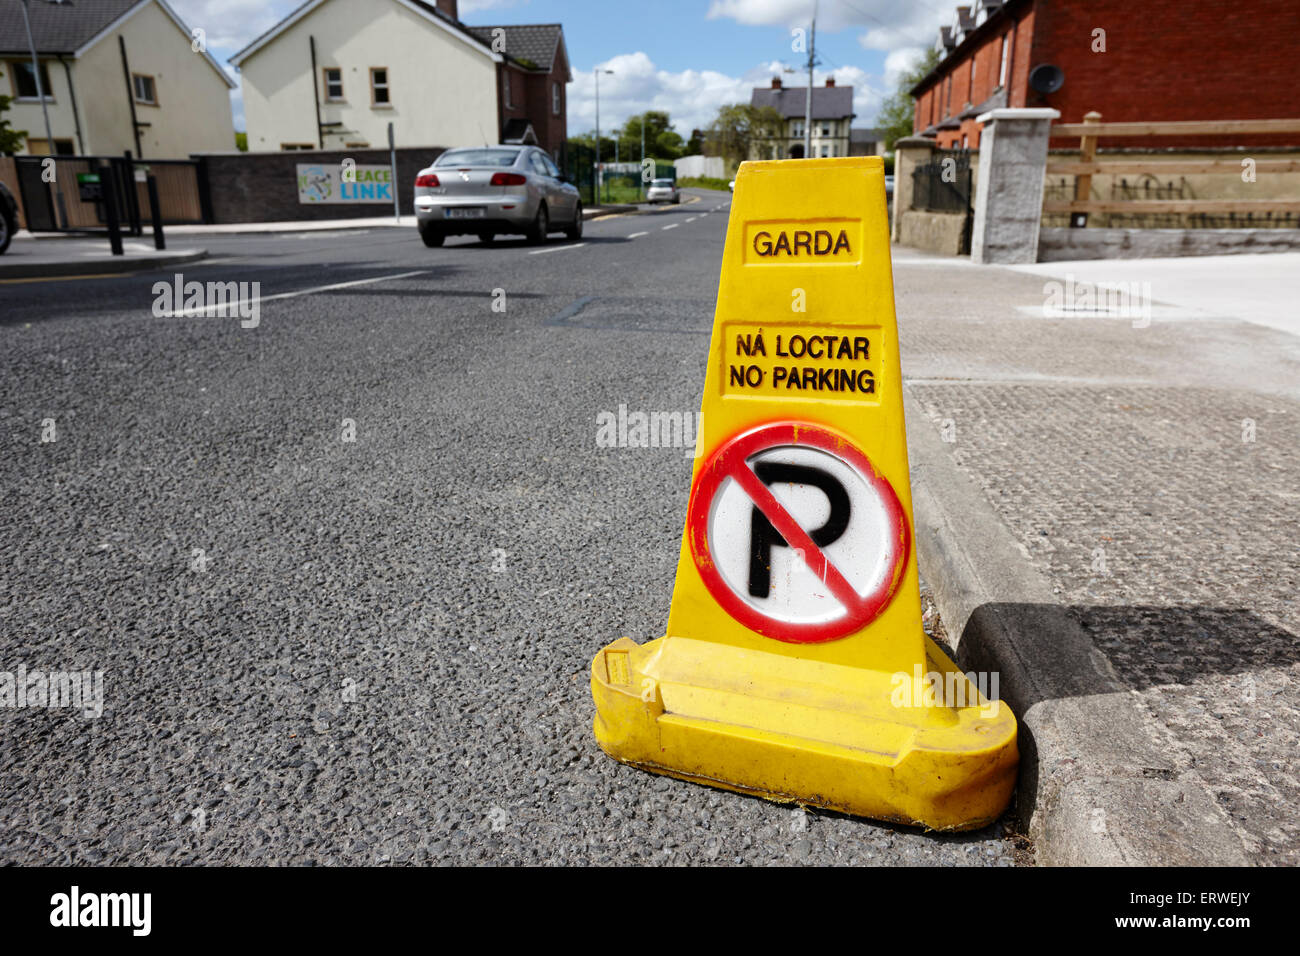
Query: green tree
pixel 11 140
pixel 661 140
pixel 740 132
pixel 897 111
pixel 241 142
pixel 695 145
pixel 588 139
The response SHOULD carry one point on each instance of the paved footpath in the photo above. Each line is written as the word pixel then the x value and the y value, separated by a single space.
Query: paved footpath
pixel 1147 472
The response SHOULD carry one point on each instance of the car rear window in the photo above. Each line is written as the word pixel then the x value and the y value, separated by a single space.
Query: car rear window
pixel 662 182
pixel 478 157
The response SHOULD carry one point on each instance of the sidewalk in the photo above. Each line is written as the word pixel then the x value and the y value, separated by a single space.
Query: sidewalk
pixel 31 258
pixel 1106 512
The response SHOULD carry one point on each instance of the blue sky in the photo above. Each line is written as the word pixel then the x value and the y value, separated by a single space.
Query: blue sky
pixel 685 56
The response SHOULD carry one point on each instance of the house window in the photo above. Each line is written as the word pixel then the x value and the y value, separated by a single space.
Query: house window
pixel 970 96
pixel 555 98
pixel 825 150
pixel 379 86
pixel 796 128
pixel 143 86
pixel 510 90
pixel 333 83
pixel 1002 64
pixel 41 147
pixel 826 129
pixel 23 81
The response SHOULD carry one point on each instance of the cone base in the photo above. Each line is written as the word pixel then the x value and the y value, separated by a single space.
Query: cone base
pixel 857 741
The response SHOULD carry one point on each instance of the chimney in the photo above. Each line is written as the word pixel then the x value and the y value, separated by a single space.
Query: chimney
pixel 776 82
pixel 830 81
pixel 448 8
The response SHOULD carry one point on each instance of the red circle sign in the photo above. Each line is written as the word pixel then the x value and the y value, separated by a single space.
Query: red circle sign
pixel 844 590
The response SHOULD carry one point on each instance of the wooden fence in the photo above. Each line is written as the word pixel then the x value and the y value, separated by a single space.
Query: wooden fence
pixel 1087 165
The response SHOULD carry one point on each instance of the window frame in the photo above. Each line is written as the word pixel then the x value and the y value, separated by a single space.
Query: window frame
pixel 296 147
pixel 556 101
pixel 1002 64
pixel 153 86
pixel 387 87
pixel 13 66
pixel 71 150
pixel 325 84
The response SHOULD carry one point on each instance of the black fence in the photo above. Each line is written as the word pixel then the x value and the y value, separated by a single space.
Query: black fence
pixel 944 183
pixel 580 164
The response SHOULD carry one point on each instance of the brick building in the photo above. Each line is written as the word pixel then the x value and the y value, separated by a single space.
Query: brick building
pixel 531 83
pixel 1158 60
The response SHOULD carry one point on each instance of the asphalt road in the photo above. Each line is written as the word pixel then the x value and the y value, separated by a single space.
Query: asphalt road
pixel 331 651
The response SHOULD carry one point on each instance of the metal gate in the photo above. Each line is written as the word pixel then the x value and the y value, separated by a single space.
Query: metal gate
pixel 57 195
pixel 944 185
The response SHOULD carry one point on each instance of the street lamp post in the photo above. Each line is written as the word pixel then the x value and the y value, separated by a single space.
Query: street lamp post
pixel 595 186
pixel 40 87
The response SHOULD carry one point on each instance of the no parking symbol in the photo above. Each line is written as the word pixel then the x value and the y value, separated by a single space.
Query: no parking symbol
pixel 795 534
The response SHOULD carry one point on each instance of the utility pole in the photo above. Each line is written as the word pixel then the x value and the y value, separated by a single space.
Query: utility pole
pixel 812 62
pixel 641 178
pixel 595 185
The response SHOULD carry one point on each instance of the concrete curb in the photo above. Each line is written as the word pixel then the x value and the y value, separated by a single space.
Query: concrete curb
pixel 1098 782
pixel 93 267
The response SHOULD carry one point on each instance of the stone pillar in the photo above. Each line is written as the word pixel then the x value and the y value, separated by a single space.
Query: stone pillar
pixel 1009 190
pixel 909 152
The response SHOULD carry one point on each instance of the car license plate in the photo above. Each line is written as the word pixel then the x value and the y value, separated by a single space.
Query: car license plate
pixel 467 212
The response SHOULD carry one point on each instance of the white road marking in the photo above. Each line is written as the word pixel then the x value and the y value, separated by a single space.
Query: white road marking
pixel 692 218
pixel 673 226
pixel 542 252
pixel 234 306
pixel 636 235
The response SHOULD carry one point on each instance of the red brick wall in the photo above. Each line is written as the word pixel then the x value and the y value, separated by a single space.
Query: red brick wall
pixel 531 100
pixel 938 103
pixel 1164 60
pixel 1172 60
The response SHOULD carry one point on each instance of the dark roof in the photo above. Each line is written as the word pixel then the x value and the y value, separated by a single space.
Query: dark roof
pixel 828 102
pixel 534 43
pixel 57 27
pixel 973 38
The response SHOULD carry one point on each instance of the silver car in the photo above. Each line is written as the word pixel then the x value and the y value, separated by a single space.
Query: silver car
pixel 489 190
pixel 663 190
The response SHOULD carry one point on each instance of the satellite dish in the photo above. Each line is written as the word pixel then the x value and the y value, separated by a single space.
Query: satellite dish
pixel 1046 78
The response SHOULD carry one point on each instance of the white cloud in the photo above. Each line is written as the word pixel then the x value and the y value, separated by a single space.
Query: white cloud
pixel 899 62
pixel 887 24
pixel 692 97
pixel 474 6
pixel 232 24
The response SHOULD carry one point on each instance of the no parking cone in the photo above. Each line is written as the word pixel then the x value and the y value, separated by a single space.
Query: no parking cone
pixel 794 665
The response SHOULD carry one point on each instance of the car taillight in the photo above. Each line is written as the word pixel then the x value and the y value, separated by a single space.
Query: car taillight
pixel 426 179
pixel 508 179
